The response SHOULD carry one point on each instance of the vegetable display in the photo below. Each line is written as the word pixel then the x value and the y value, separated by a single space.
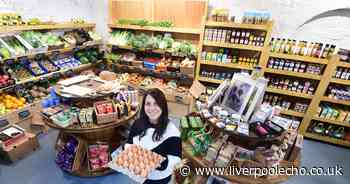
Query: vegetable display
pixel 143 22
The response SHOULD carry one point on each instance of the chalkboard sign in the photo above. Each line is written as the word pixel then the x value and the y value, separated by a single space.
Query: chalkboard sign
pixel 23 114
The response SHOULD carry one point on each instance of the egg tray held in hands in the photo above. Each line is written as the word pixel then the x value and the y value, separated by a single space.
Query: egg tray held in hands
pixel 136 162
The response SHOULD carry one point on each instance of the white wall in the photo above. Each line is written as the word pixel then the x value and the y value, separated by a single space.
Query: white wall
pixel 287 14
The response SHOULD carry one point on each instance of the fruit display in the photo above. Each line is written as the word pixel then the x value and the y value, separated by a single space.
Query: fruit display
pixel 143 22
pixel 52 40
pixel 11 19
pixel 98 156
pixel 87 56
pixel 15 45
pixel 137 162
pixel 24 93
pixel 143 41
pixel 35 68
pixel 33 38
pixel 4 52
pixel 19 72
pixel 11 102
pixel 104 108
pixel 66 62
pixel 5 80
pixel 95 36
pixel 50 67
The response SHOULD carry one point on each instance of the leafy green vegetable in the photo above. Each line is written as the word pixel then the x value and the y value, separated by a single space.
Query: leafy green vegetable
pixel 143 22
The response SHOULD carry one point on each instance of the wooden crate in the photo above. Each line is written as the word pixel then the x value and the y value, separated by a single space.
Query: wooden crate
pixel 20 149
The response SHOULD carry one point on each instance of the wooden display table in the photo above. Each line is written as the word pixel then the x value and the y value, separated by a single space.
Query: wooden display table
pixel 108 133
pixel 199 162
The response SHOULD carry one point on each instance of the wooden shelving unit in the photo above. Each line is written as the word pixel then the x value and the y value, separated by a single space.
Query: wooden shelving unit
pixel 335 101
pixel 327 139
pixel 293 74
pixel 340 81
pixel 68 25
pixel 157 29
pixel 299 58
pixel 238 25
pixel 334 122
pixel 206 79
pixel 289 93
pixel 227 65
pixel 293 113
pixel 232 46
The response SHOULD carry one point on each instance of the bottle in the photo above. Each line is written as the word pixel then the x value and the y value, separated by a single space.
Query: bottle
pixel 262 39
pixel 319 49
pixel 241 40
pixel 314 50
pixel 331 50
pixel 287 47
pixel 277 45
pixel 325 51
pixel 228 36
pixel 295 48
pixel 283 45
pixel 246 39
pixel 309 50
pixel 233 36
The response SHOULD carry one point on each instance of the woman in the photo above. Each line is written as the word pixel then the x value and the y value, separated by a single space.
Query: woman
pixel 153 131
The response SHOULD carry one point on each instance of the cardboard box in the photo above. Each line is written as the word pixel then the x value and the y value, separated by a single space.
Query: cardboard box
pixel 20 149
pixel 178 110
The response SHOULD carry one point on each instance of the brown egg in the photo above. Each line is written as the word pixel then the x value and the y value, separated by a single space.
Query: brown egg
pixel 144 173
pixel 119 161
pixel 125 164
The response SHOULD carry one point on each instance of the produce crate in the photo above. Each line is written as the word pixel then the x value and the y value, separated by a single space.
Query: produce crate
pixel 42 49
pixel 88 156
pixel 105 118
pixel 15 46
pixel 187 70
pixel 137 63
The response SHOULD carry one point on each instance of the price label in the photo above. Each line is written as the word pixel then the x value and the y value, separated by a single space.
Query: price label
pixel 23 114
pixel 3 123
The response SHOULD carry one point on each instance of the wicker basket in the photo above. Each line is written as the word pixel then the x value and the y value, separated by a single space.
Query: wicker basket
pixel 105 118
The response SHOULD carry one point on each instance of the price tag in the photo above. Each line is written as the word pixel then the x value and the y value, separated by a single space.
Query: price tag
pixel 115 48
pixel 23 114
pixel 9 61
pixel 3 123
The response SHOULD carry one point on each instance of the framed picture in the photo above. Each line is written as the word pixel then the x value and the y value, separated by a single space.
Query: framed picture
pixel 220 91
pixel 256 98
pixel 238 94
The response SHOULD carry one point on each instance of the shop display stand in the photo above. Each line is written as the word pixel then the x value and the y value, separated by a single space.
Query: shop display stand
pixel 109 133
pixel 199 162
pixel 326 80
pixel 249 142
pixel 187 27
pixel 55 26
pixel 263 50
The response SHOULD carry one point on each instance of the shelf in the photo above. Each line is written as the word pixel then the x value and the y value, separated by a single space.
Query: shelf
pixel 344 64
pixel 293 74
pixel 238 25
pixel 334 122
pixel 157 51
pixel 199 161
pixel 293 113
pixel 4 29
pixel 206 79
pixel 233 46
pixel 167 74
pixel 68 49
pixel 335 101
pixel 158 29
pixel 227 65
pixel 289 93
pixel 299 58
pixel 340 81
pixel 37 78
pixel 327 139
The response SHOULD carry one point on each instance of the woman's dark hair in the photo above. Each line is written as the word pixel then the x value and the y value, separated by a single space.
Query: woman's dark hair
pixel 160 99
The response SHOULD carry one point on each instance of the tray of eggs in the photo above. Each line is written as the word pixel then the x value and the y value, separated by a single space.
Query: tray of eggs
pixel 136 162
